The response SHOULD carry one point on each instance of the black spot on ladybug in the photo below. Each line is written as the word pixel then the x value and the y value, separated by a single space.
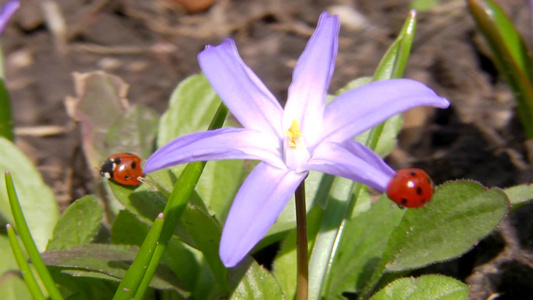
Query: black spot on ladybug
pixel 404 201
pixel 116 161
pixel 419 191
pixel 133 165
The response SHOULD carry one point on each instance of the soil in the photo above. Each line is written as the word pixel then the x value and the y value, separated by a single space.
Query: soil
pixel 153 45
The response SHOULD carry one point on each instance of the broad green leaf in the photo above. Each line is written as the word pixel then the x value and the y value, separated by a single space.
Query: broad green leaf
pixel 7 261
pixel 128 230
pixel 459 215
pixel 13 287
pixel 37 200
pixel 88 286
pixel 360 251
pixel 428 287
pixel 105 261
pixel 509 53
pixel 206 232
pixel 191 108
pixel 332 226
pixel 219 184
pixel 145 203
pixel 257 283
pixel 519 195
pixel 78 224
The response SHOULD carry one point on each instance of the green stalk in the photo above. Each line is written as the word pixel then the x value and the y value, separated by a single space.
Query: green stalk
pixel 6 116
pixel 302 289
pixel 27 240
pixel 133 277
pixel 140 274
pixel 24 267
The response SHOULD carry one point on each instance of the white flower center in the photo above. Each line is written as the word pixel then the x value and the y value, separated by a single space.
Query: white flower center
pixel 295 152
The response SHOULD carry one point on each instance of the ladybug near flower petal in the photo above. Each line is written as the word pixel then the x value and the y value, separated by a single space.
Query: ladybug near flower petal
pixel 123 168
pixel 410 188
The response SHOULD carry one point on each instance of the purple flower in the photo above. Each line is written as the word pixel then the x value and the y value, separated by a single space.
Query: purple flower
pixel 305 135
pixel 6 12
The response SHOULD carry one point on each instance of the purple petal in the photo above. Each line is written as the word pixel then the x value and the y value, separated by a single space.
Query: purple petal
pixel 220 144
pixel 7 11
pixel 242 91
pixel 365 107
pixel 256 207
pixel 352 160
pixel 311 78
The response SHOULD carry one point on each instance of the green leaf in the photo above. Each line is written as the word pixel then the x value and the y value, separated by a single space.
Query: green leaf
pixel 519 195
pixel 219 184
pixel 105 261
pixel 7 261
pixel 36 199
pixel 206 232
pixel 192 107
pixel 459 215
pixel 78 225
pixel 509 53
pixel 427 287
pixel 257 283
pixel 393 63
pixel 12 287
pixel 128 230
pixel 360 251
pixel 88 286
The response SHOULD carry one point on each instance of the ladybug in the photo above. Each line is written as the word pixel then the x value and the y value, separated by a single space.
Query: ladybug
pixel 410 188
pixel 123 168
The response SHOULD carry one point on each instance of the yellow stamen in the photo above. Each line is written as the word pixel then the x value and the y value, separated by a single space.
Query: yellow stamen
pixel 293 133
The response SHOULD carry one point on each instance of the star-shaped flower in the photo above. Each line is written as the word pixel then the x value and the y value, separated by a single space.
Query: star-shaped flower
pixel 304 135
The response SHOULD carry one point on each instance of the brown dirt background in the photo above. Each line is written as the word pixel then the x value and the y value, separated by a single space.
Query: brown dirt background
pixel 153 45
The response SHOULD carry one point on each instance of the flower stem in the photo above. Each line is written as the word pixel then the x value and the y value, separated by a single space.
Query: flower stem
pixel 301 243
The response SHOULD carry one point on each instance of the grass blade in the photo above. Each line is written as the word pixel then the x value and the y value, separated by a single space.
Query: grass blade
pixel 24 267
pixel 27 240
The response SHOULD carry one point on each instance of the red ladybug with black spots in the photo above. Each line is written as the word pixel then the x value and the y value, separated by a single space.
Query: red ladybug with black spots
pixel 410 188
pixel 123 168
